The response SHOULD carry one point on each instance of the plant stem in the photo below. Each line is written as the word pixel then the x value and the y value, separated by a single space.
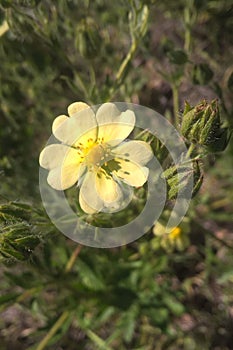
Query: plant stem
pixel 211 231
pixel 175 94
pixel 219 239
pixel 123 68
pixel 28 293
pixel 190 150
pixel 126 61
pixel 101 344
pixel 53 330
pixel 72 259
pixel 137 27
pixel 187 35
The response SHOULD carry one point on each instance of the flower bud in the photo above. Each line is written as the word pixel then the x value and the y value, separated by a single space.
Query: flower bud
pixel 201 124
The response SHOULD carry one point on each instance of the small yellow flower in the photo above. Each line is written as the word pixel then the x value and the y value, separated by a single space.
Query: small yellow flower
pixel 95 155
pixel 175 238
pixel 175 233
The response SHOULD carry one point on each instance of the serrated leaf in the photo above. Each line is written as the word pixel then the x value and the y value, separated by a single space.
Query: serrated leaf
pixel 11 253
pixel 16 210
pixel 29 241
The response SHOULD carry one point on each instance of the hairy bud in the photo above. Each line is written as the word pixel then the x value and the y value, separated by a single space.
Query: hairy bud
pixel 202 125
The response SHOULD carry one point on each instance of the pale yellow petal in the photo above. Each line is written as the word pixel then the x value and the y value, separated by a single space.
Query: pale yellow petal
pixel 64 163
pixel 81 128
pixel 108 190
pixel 131 173
pixel 135 151
pixel 159 229
pixel 89 199
pixel 4 27
pixel 55 155
pixel 57 123
pixel 62 178
pixel 85 207
pixel 114 125
pixel 76 107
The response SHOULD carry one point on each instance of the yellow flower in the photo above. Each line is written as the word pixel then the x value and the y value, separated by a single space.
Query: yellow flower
pixel 175 233
pixel 94 155
pixel 175 238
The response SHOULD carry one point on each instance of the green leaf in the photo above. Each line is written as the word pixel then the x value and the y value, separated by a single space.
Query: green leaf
pixel 202 74
pixel 178 57
pixel 29 241
pixel 8 252
pixel 16 210
pixel 105 315
pixel 6 3
pixel 128 323
pixel 174 305
pixel 6 298
pixel 100 343
pixel 121 297
pixel 24 280
pixel 88 276
pixel 159 316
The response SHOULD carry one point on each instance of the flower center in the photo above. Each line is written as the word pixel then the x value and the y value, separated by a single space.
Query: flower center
pixel 96 155
pixel 175 233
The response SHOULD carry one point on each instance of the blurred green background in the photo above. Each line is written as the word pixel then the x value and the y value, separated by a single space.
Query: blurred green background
pixel 54 293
